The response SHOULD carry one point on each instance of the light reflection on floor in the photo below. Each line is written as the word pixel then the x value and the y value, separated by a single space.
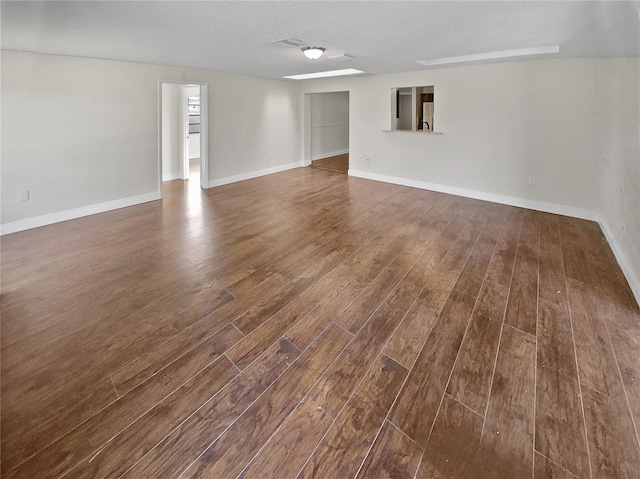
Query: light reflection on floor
pixel 195 193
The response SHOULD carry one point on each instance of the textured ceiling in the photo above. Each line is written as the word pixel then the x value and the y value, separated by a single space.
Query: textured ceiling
pixel 385 37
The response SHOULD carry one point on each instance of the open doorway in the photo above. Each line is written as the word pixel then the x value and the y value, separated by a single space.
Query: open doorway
pixel 192 155
pixel 183 133
pixel 327 135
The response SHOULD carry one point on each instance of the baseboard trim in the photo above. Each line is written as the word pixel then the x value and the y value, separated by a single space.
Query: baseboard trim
pixel 625 265
pixel 254 174
pixel 482 195
pixel 44 220
pixel 329 154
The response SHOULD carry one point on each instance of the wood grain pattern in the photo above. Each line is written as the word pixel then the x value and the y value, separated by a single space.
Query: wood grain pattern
pixel 418 402
pixel 21 445
pixel 471 378
pixel 507 441
pixel 393 456
pixel 611 437
pixel 75 446
pixel 185 443
pixel 553 285
pixel 453 445
pixel 130 445
pixel 409 337
pixel 473 273
pixel 202 328
pixel 624 330
pixel 500 267
pixel 289 448
pixel 345 446
pixel 335 387
pixel 521 308
pixel 576 264
pixel 333 290
pixel 594 354
pixel 254 427
pixel 339 163
pixel 560 428
pixel 361 308
pixel 30 435
pixel 265 308
pixel 546 469
pixel 148 364
pixel 308 328
pixel 439 245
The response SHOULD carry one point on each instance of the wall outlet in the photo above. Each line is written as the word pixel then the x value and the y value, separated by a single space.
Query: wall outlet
pixel 532 181
pixel 271 156
pixel 24 195
pixel 367 157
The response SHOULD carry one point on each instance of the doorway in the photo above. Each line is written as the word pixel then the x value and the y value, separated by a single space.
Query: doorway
pixel 192 153
pixel 184 133
pixel 327 131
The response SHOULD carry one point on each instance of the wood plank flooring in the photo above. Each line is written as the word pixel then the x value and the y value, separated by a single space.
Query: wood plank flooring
pixel 311 325
pixel 333 163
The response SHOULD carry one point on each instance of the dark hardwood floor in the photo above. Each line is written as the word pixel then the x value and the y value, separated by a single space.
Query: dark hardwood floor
pixel 308 324
pixel 333 163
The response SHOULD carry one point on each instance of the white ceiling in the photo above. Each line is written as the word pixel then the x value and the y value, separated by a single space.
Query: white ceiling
pixel 385 37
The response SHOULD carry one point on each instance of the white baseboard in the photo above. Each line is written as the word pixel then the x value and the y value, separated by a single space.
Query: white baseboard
pixel 625 265
pixel 66 215
pixel 482 195
pixel 254 174
pixel 329 154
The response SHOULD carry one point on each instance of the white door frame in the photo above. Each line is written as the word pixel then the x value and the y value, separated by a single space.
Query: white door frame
pixel 307 129
pixel 184 132
pixel 204 136
pixel 204 131
pixel 306 123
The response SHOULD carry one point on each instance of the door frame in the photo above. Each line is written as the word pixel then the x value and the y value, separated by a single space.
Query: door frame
pixel 184 133
pixel 306 120
pixel 204 130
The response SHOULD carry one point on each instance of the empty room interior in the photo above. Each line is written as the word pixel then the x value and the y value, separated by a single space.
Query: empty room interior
pixel 320 239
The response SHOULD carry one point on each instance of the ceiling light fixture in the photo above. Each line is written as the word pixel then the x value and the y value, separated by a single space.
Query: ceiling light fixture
pixel 313 53
pixel 331 73
pixel 523 52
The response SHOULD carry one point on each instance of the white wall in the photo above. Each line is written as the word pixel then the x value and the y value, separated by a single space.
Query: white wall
pixel 75 132
pixel 329 124
pixel 501 124
pixel 618 131
pixel 172 98
pixel 92 131
pixel 194 145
